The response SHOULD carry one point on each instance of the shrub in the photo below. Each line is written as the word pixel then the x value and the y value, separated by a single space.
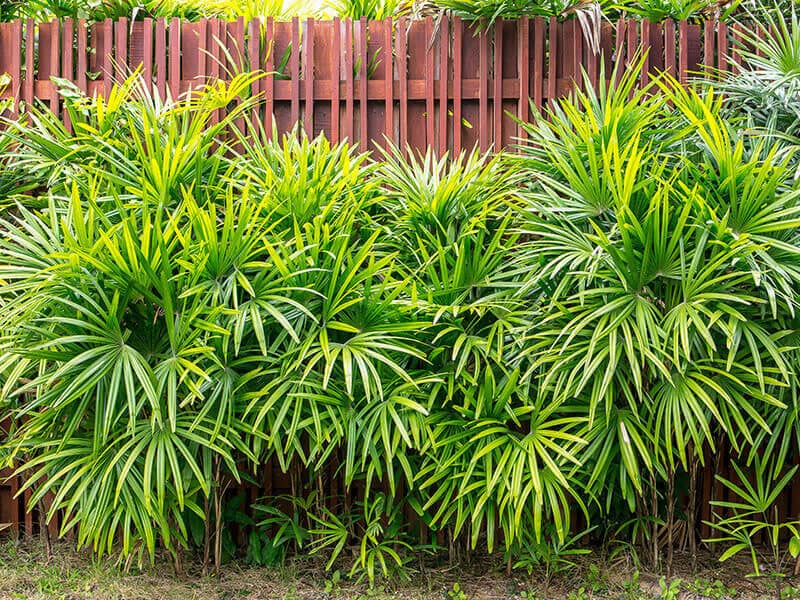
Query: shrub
pixel 494 342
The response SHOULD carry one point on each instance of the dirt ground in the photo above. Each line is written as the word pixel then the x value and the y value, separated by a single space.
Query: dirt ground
pixel 25 573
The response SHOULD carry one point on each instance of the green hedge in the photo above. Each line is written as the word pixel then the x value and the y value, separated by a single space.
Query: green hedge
pixel 495 343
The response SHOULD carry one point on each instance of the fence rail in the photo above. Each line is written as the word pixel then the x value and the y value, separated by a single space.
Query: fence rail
pixel 427 83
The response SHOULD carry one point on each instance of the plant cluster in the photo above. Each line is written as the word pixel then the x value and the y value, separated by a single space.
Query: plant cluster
pixel 489 10
pixel 492 343
pixel 190 10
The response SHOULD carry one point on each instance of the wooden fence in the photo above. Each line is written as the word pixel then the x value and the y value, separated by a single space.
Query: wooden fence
pixel 427 83
pixel 445 85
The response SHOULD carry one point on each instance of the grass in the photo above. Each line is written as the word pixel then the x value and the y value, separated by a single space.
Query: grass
pixel 25 573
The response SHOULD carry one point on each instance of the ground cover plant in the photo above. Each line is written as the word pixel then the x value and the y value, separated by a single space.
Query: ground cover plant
pixel 525 355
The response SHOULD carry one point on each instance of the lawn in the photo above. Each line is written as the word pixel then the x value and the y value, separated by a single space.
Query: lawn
pixel 25 572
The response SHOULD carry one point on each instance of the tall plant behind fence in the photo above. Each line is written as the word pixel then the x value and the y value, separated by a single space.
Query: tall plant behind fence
pixel 445 84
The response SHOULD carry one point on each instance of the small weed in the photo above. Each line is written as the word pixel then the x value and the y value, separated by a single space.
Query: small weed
pixel 579 594
pixel 597 580
pixel 631 588
pixel 372 592
pixel 456 593
pixel 714 590
pixel 332 584
pixel 291 594
pixel 669 590
pixel 790 592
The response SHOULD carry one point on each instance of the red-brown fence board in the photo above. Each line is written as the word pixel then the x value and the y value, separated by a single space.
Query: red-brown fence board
pixel 417 58
pixel 510 75
pixel 268 83
pixel 30 50
pixel 444 76
pixel 388 82
pixel 360 48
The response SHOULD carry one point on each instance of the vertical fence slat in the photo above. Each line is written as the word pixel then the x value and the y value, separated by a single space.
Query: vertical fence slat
pixel 82 66
pixel 94 56
pixel 253 48
pixel 523 70
pixel 694 51
pixel 510 91
pixel 67 49
pixel 735 50
pixel 269 79
pixel 239 50
pixel 708 46
pixel 669 48
pixel 121 49
pixel 200 52
pixel 429 74
pixel 219 38
pixel 285 85
pixel 213 57
pixel 13 484
pixel 349 85
pixel 189 53
pixel 388 82
pixel 136 41
pixel 26 502
pixel 363 109
pixel 444 76
pixel 402 75
pixel 175 58
pixel 107 57
pixel 760 34
pixel 552 52
pixel 458 37
pixel 593 60
pixel 632 40
pixel 619 53
pixel 236 59
pixel 322 65
pixel 655 57
pixel 67 58
pixel 15 70
pixel 483 89
pixel 722 47
pixel 607 48
pixel 54 65
pixel 253 58
pixel 336 77
pixel 470 72
pixel 794 496
pixel 705 492
pixel 418 51
pixel 161 57
pixel 308 78
pixel 376 68
pixel 30 52
pixel 294 71
pixel 577 54
pixel 538 62
pixel 147 53
pixel 497 87
pixel 646 45
pixel 683 51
